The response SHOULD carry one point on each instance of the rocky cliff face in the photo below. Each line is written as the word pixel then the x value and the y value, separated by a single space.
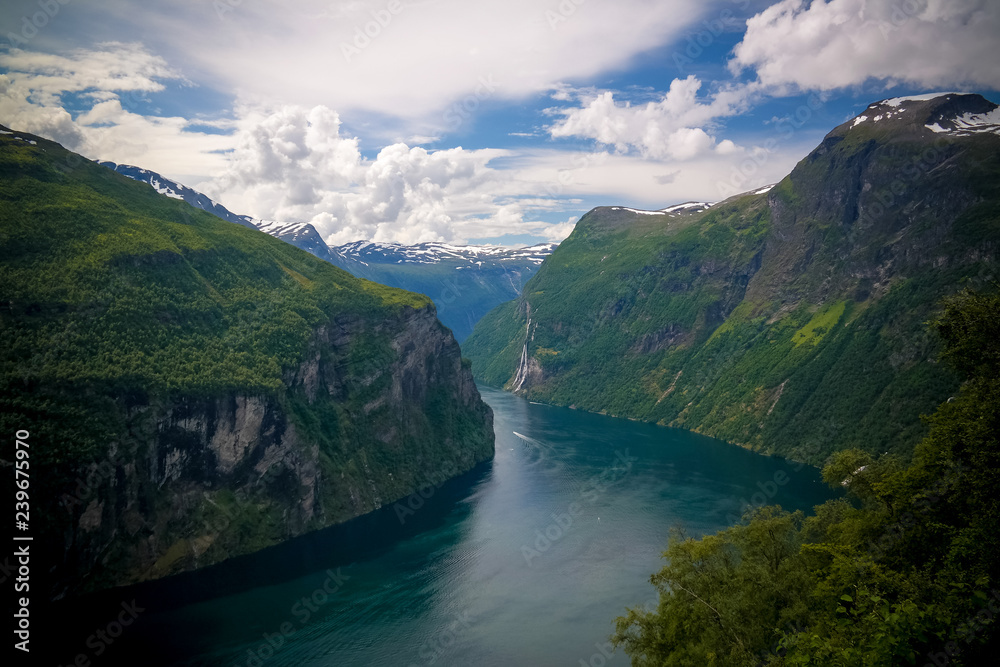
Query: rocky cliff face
pixel 197 480
pixel 880 199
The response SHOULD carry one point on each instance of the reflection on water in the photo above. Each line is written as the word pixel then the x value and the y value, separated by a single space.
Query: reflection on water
pixel 524 561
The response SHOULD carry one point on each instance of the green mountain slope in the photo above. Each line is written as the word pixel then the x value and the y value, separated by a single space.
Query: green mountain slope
pixel 790 321
pixel 194 389
pixel 464 282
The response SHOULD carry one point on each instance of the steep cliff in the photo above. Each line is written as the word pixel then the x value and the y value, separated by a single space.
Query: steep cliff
pixel 196 390
pixel 791 320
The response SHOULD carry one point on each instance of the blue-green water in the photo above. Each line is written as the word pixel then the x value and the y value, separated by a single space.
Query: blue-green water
pixel 525 561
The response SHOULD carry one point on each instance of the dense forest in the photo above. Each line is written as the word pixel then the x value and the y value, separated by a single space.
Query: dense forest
pixel 903 571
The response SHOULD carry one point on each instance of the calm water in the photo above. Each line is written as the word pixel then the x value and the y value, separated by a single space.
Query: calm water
pixel 525 561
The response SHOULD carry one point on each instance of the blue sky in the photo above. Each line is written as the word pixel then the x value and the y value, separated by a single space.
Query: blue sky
pixel 474 121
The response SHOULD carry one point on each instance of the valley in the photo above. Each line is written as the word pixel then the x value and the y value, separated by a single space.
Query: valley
pixel 506 333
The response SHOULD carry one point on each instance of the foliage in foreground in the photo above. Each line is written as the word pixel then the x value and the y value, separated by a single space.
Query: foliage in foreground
pixel 906 572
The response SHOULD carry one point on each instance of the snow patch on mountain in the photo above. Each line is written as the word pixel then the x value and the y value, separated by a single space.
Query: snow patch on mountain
pixel 275 228
pixel 164 188
pixel 636 210
pixel 968 123
pixel 434 252
pixel 956 114
pixel 687 207
pixel 893 111
pixel 979 122
pixel 30 141
pixel 896 101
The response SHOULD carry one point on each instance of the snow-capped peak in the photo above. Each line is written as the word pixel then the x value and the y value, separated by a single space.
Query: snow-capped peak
pixel 956 114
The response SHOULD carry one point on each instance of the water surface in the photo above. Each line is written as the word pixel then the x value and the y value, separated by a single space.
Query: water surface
pixel 527 560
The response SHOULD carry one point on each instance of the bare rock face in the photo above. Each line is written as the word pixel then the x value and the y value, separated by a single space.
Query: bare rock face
pixel 373 411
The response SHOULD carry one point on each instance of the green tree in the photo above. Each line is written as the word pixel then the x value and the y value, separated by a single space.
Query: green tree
pixel 722 597
pixel 902 572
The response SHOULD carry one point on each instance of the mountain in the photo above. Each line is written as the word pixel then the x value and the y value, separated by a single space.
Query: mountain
pixel 303 235
pixel 175 190
pixel 190 390
pixel 465 282
pixel 792 319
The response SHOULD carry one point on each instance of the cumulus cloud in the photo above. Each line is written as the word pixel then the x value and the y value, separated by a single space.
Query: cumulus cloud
pixel 670 128
pixel 288 163
pixel 296 164
pixel 830 44
pixel 293 164
pixel 286 156
pixel 52 122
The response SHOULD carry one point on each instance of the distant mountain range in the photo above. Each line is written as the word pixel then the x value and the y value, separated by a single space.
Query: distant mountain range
pixel 791 319
pixel 464 281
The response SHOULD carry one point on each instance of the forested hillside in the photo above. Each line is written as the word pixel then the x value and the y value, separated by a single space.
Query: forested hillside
pixel 902 572
pixel 791 321
pixel 194 389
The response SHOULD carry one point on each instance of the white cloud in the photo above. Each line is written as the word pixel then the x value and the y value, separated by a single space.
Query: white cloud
pixel 35 84
pixel 111 66
pixel 52 122
pixel 557 232
pixel 294 165
pixel 642 182
pixel 409 64
pixel 289 158
pixel 830 44
pixel 670 128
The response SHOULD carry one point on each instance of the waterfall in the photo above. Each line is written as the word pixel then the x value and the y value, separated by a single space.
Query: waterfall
pixel 522 367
